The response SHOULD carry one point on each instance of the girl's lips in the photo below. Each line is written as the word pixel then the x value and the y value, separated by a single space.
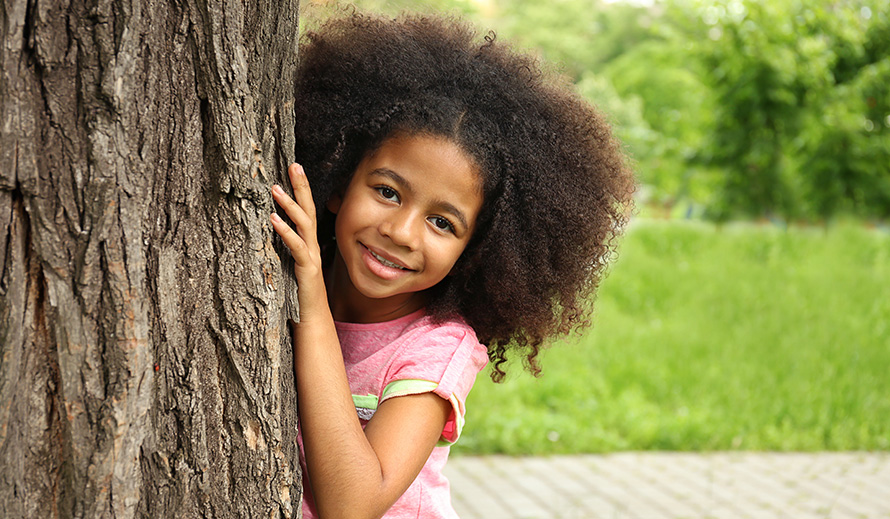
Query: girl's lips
pixel 386 260
pixel 383 265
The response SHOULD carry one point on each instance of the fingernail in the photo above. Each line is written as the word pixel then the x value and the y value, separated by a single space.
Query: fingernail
pixel 276 218
pixel 277 189
pixel 300 170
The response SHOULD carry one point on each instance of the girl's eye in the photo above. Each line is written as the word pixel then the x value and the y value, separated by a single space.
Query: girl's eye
pixel 388 193
pixel 442 224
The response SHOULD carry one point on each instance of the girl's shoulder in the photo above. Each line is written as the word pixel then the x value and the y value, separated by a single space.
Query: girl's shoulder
pixel 450 343
pixel 445 352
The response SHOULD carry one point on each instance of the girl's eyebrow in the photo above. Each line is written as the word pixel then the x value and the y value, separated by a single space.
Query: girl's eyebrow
pixel 406 186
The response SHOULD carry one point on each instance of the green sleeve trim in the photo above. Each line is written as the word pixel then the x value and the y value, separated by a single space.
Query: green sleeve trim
pixel 417 387
pixel 408 387
pixel 365 401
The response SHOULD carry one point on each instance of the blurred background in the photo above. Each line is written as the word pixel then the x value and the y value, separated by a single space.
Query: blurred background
pixel 749 307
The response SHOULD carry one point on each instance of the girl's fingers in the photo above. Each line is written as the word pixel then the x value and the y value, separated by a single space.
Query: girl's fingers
pixel 301 240
pixel 304 223
pixel 302 192
pixel 300 211
pixel 298 248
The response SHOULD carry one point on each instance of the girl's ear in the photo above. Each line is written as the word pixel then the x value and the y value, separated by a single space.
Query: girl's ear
pixel 334 202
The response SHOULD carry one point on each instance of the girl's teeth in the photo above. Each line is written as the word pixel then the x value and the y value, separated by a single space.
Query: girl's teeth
pixel 386 262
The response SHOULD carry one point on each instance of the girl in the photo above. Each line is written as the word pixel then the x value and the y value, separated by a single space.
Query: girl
pixel 467 206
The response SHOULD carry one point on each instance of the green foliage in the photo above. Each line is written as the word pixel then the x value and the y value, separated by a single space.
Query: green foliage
pixel 801 91
pixel 625 113
pixel 676 105
pixel 709 338
pixel 848 150
pixel 578 36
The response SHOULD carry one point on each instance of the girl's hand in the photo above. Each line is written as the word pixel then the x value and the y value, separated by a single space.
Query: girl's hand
pixel 302 241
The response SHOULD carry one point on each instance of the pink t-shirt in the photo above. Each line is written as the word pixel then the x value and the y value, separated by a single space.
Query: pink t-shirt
pixel 406 356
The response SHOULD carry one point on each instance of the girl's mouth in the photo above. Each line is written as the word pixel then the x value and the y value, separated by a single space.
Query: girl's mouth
pixel 386 262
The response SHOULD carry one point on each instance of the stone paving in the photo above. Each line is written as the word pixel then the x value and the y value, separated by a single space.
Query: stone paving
pixel 673 486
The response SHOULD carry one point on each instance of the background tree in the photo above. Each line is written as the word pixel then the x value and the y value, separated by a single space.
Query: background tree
pixel 145 364
pixel 846 151
pixel 802 124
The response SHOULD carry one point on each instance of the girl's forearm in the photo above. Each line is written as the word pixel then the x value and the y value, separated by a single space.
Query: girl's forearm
pixel 345 472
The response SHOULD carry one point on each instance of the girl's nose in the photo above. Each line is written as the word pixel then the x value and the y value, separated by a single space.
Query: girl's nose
pixel 402 228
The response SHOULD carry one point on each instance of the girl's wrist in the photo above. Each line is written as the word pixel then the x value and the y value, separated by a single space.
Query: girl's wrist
pixel 313 300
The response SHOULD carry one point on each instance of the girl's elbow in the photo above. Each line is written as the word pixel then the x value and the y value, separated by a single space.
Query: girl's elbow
pixel 365 506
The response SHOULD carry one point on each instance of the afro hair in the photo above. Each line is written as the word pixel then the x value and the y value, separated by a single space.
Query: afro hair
pixel 557 187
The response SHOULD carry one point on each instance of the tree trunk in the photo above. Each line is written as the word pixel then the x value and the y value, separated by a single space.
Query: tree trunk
pixel 145 363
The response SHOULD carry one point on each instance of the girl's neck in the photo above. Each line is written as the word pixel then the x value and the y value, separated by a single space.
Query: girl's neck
pixel 349 305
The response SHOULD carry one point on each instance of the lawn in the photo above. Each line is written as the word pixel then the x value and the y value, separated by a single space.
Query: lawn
pixel 708 338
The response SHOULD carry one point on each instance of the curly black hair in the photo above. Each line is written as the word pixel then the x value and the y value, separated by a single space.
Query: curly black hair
pixel 557 188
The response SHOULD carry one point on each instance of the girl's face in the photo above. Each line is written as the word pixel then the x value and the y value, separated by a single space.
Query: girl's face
pixel 402 223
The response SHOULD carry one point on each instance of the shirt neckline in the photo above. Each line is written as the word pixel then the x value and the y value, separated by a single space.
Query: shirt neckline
pixel 405 319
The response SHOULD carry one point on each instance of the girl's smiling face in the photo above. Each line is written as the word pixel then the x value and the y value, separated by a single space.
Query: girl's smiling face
pixel 402 223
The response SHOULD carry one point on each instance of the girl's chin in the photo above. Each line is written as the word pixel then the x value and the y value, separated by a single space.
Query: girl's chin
pixel 384 295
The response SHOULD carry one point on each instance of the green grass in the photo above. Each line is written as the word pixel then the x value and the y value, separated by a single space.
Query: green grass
pixel 741 337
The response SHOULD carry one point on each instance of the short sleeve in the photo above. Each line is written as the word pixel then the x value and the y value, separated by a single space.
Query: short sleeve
pixel 443 359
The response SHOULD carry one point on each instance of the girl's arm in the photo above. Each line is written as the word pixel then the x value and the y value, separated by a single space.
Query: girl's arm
pixel 353 472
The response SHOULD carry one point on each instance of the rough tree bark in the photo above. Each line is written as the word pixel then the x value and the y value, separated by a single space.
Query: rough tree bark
pixel 145 368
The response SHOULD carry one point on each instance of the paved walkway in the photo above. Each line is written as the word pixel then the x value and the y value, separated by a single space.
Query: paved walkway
pixel 673 486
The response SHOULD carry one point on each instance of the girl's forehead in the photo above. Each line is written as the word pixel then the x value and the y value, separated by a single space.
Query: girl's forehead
pixel 428 154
